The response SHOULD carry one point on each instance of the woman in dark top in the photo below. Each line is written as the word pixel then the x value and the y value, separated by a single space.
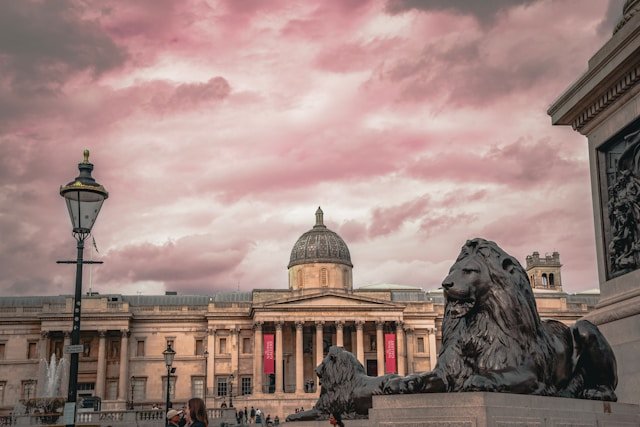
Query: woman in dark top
pixel 198 413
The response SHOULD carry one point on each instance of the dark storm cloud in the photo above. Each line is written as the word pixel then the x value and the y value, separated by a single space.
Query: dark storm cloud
pixel 43 44
pixel 484 10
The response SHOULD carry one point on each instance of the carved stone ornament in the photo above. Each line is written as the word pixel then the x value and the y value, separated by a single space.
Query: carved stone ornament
pixel 622 221
pixel 492 340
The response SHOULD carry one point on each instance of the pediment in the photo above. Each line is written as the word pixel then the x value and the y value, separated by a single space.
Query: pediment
pixel 329 300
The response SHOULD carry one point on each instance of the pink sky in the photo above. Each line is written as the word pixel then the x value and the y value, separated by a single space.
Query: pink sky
pixel 219 127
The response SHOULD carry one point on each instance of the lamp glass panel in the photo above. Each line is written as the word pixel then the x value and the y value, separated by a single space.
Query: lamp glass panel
pixel 83 209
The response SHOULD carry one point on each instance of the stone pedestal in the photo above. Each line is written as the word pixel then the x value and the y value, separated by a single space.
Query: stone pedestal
pixel 497 409
pixel 604 105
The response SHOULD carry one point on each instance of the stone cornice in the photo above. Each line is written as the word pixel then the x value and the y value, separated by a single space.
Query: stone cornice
pixel 607 98
pixel 612 72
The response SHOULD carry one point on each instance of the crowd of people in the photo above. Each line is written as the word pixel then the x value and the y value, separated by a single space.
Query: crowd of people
pixel 255 416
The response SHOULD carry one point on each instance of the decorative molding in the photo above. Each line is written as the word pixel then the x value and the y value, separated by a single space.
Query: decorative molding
pixel 299 325
pixel 319 324
pixel 607 98
pixel 615 312
pixel 380 324
pixel 360 325
pixel 257 326
pixel 279 324
pixel 340 324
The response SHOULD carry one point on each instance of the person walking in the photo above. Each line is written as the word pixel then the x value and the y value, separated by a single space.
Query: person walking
pixel 253 415
pixel 198 413
pixel 246 415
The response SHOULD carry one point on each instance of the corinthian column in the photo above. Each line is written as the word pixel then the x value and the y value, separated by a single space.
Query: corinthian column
pixel 401 354
pixel 433 357
pixel 257 358
pixel 279 359
pixel 299 359
pixel 124 366
pixel 340 333
pixel 319 342
pixel 380 347
pixel 360 341
pixel 102 364
pixel 410 349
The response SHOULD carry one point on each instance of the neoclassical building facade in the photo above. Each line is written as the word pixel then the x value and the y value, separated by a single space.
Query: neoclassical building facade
pixel 257 348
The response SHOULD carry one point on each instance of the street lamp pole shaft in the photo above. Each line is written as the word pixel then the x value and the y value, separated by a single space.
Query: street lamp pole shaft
pixel 75 332
pixel 168 387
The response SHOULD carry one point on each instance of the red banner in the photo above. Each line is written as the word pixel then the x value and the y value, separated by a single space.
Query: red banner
pixel 269 354
pixel 390 353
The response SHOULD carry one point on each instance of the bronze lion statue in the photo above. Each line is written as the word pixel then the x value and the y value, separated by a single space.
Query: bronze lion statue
pixel 493 338
pixel 346 389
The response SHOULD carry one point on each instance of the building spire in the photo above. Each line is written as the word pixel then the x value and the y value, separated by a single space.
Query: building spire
pixel 319 221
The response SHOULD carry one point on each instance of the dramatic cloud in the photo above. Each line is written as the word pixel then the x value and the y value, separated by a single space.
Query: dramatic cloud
pixel 218 127
pixel 483 10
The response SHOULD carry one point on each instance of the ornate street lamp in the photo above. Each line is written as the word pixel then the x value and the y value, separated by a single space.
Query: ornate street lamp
pixel 168 354
pixel 84 197
pixel 206 372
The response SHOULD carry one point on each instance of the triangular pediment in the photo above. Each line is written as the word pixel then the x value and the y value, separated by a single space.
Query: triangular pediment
pixel 331 300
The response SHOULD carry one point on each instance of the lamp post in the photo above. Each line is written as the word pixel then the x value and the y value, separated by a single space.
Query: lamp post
pixel 168 354
pixel 132 379
pixel 231 391
pixel 206 373
pixel 84 198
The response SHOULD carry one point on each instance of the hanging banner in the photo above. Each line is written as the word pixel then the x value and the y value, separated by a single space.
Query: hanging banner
pixel 390 353
pixel 269 354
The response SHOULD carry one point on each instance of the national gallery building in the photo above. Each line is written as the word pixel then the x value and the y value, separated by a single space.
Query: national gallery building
pixel 256 348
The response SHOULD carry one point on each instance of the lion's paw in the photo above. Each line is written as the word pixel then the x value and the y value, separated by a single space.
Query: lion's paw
pixel 479 383
pixel 402 385
pixel 601 393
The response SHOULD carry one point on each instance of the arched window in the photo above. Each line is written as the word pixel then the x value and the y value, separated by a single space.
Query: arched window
pixel 545 282
pixel 323 277
pixel 551 280
pixel 299 279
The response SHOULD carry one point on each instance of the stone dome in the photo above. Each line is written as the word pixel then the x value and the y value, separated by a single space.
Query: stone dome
pixel 320 245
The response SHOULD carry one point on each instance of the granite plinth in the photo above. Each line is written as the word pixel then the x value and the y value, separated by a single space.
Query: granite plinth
pixel 498 409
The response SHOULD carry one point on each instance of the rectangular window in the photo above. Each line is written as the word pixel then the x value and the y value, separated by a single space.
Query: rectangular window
pixel 420 344
pixel 197 387
pixel 172 387
pixel 112 389
pixel 199 347
pixel 3 385
pixel 2 350
pixel 140 348
pixel 245 384
pixel 32 350
pixel 246 345
pixel 223 346
pixel 140 389
pixel 221 390
pixel 28 389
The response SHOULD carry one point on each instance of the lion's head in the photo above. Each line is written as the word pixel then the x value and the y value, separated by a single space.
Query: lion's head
pixel 338 367
pixel 486 278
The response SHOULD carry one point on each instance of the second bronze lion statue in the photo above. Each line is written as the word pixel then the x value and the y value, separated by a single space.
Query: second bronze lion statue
pixel 346 389
pixel 494 340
